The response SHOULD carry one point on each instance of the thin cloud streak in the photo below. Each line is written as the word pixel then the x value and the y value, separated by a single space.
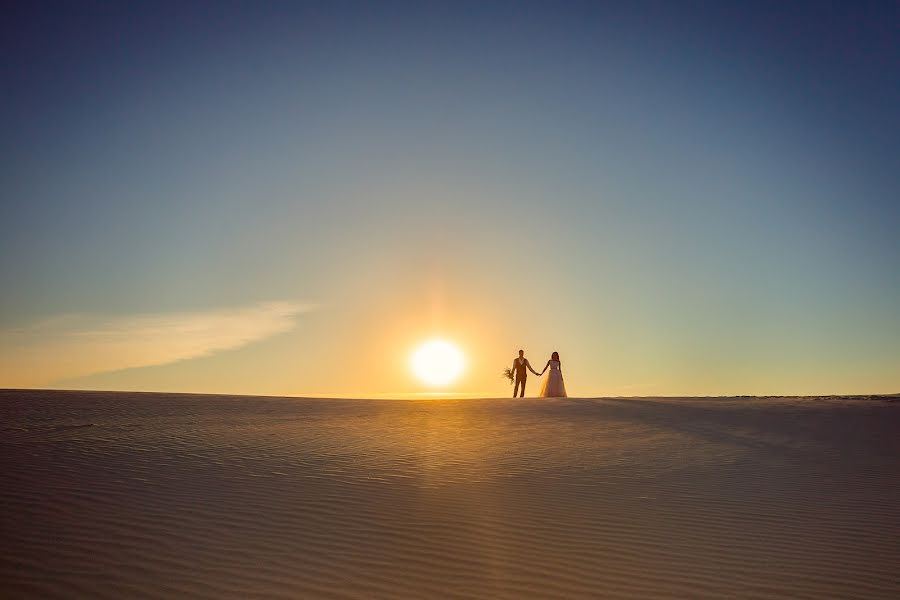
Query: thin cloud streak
pixel 68 346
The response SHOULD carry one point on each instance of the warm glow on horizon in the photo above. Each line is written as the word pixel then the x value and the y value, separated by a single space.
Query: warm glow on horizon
pixel 437 362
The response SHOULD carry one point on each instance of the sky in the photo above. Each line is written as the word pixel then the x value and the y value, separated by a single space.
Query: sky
pixel 282 198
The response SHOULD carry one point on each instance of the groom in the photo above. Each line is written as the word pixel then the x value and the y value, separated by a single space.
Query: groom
pixel 519 366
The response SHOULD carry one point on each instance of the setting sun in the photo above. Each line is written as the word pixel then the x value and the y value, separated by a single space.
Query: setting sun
pixel 437 362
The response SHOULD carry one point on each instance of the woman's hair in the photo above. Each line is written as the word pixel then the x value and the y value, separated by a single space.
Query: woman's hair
pixel 555 356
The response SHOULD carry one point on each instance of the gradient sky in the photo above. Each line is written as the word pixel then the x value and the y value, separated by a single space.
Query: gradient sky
pixel 286 198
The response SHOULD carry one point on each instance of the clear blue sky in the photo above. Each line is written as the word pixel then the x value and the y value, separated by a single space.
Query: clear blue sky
pixel 680 197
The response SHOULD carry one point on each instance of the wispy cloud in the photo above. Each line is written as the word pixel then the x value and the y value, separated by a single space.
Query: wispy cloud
pixel 68 346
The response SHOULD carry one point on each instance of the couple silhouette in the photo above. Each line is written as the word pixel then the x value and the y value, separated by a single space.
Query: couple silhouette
pixel 553 386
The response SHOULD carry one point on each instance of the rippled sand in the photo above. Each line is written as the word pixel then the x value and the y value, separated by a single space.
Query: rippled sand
pixel 116 495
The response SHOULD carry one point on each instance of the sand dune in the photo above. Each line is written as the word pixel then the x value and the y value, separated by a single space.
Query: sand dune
pixel 116 495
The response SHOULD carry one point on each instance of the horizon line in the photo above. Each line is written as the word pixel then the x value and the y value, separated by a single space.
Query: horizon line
pixel 447 395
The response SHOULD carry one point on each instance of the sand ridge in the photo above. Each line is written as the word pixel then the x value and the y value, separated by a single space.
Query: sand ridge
pixel 111 495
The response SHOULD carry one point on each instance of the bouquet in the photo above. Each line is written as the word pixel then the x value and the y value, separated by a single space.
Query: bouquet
pixel 508 373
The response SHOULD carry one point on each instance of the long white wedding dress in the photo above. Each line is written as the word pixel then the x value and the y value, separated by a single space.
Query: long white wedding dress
pixel 554 386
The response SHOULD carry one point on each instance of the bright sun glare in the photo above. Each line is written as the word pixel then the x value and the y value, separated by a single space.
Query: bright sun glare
pixel 437 362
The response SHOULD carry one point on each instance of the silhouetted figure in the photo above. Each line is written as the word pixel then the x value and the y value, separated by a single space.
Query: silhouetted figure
pixel 554 386
pixel 519 366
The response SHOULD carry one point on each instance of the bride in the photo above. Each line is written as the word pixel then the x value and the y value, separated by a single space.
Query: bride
pixel 554 386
